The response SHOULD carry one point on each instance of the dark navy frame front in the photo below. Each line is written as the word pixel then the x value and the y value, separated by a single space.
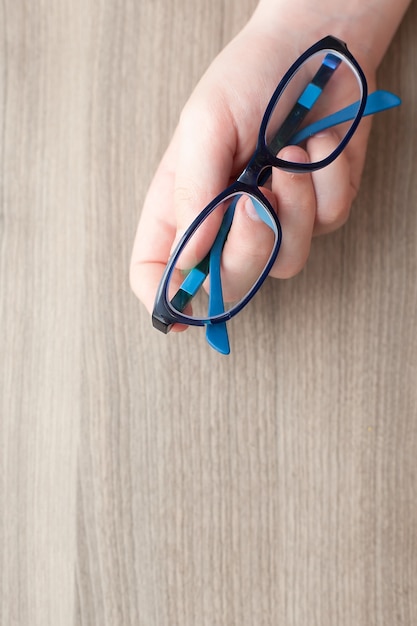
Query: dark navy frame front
pixel 256 173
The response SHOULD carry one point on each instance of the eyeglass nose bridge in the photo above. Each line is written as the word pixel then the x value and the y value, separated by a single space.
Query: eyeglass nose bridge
pixel 258 170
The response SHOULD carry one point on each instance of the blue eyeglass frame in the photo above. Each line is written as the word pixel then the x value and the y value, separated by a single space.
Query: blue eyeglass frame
pixel 254 175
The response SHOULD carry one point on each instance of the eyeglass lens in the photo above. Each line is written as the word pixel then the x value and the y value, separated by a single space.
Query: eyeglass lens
pixel 236 240
pixel 323 85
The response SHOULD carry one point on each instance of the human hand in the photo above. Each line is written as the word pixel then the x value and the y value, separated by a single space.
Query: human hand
pixel 212 143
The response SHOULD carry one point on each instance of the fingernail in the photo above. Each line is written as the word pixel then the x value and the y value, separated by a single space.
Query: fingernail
pixel 251 211
pixel 322 134
pixel 294 154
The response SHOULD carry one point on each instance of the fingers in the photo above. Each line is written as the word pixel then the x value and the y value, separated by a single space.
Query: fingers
pixel 248 247
pixel 296 201
pixel 195 168
pixel 251 238
pixel 306 205
pixel 334 189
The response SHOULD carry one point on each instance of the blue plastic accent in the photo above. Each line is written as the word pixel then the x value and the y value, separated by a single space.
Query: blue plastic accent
pixel 193 281
pixel 377 101
pixel 309 96
pixel 217 337
pixel 331 60
pixel 263 213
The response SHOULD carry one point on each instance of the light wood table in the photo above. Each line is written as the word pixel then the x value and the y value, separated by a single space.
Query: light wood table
pixel 146 480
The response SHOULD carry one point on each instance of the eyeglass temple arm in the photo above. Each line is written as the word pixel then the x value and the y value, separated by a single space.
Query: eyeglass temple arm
pixel 376 102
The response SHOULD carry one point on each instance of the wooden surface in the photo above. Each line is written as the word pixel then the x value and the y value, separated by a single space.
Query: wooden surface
pixel 146 480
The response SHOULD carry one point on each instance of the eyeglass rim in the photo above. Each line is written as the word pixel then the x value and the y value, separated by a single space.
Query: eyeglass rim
pixel 326 43
pixel 166 315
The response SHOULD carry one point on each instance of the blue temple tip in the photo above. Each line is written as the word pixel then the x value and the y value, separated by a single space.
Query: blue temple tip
pixel 383 100
pixel 217 338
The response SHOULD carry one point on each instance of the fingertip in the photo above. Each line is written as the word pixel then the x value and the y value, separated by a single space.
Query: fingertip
pixel 294 154
pixel 322 144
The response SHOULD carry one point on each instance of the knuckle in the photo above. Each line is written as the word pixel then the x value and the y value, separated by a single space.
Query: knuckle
pixel 334 215
pixel 185 193
pixel 290 270
pixel 335 212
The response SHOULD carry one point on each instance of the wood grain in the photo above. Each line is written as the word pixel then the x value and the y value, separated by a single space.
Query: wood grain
pixel 144 479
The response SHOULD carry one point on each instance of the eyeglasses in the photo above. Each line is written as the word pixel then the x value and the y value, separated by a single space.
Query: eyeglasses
pixel 324 88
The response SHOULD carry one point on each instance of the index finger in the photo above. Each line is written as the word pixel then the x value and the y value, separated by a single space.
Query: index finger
pixel 156 230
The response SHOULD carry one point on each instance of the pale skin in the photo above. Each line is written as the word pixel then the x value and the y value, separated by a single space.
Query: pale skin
pixel 216 136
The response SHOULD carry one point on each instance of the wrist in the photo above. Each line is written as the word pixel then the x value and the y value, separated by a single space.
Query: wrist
pixel 366 26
